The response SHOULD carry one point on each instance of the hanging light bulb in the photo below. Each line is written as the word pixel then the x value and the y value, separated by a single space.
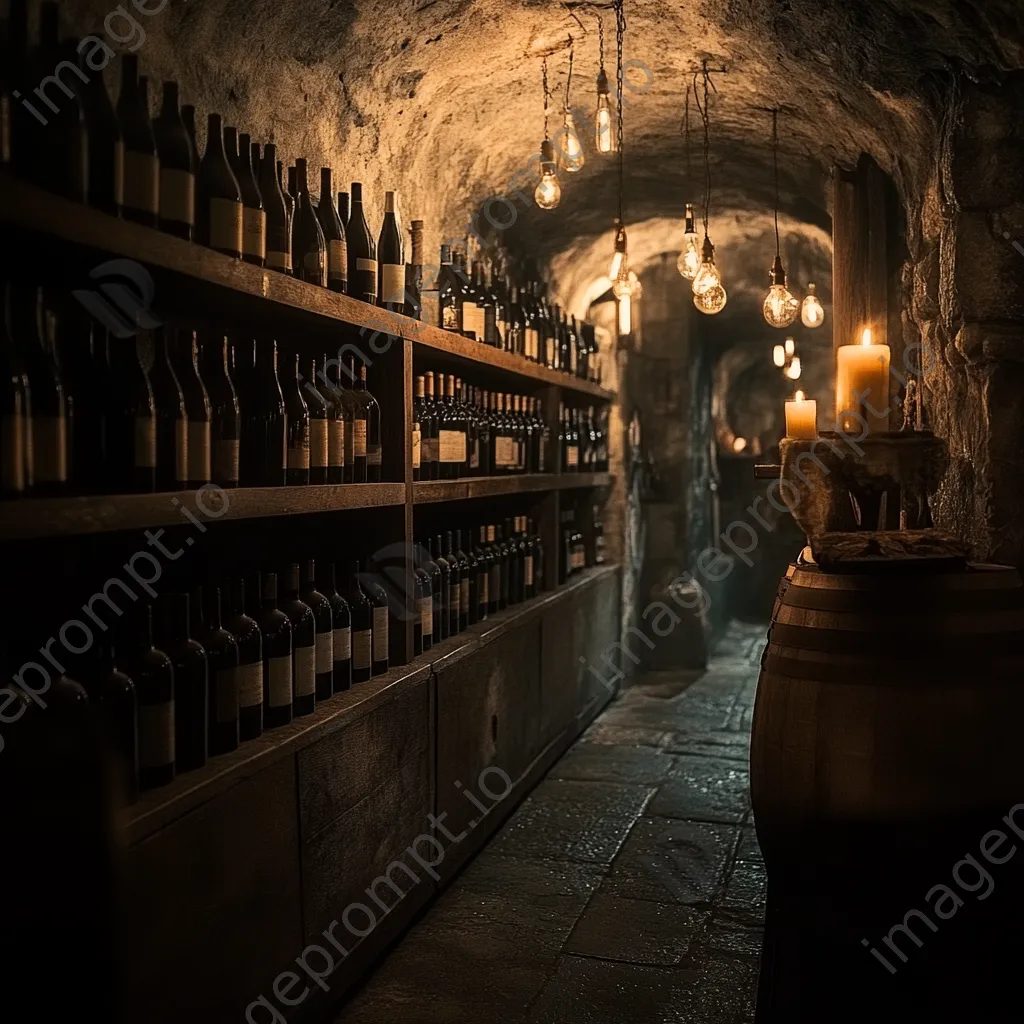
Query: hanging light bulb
pixel 625 315
pixel 712 301
pixel 548 192
pixel 708 276
pixel 604 138
pixel 790 346
pixel 689 259
pixel 779 356
pixel 794 371
pixel 619 256
pixel 780 306
pixel 570 150
pixel 709 295
pixel 812 314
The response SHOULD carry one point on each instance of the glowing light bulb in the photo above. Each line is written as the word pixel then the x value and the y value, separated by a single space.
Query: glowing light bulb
pixel 739 444
pixel 790 346
pixel 712 300
pixel 622 288
pixel 812 313
pixel 780 306
pixel 794 371
pixel 548 193
pixel 779 356
pixel 603 136
pixel 570 149
pixel 625 315
pixel 689 261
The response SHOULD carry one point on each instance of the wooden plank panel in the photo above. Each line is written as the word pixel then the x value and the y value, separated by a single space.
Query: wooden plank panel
pixel 212 908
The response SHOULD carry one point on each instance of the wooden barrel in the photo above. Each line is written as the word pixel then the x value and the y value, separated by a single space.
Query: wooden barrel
pixel 886 745
pixel 783 587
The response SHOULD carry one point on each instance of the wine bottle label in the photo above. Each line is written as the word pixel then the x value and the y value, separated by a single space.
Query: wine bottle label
pixel 12 455
pixel 374 454
pixel 305 671
pixel 528 571
pixel 199 451
pixel 503 328
pixel 417 446
pixel 145 442
pixel 226 225
pixel 572 455
pixel 156 735
pixel 504 451
pixel 490 534
pixel 142 182
pixel 469 318
pixel 359 439
pixel 343 643
pixel 50 457
pixel 380 634
pixel 226 698
pixel 450 319
pixel 225 462
pixel 572 360
pixel 451 446
pixel 254 233
pixel 392 282
pixel 177 196
pixel 336 443
pixel 361 649
pixel 532 342
pixel 337 261
pixel 277 260
pixel 279 681
pixel 249 680
pixel 474 458
pixel 370 266
pixel 454 592
pixel 324 652
pixel 119 172
pixel 298 458
pixel 425 607
pixel 485 588
pixel 464 597
pixel 319 444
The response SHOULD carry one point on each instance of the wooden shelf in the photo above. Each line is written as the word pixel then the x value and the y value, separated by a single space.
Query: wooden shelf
pixel 30 209
pixel 47 517
pixel 159 807
pixel 427 491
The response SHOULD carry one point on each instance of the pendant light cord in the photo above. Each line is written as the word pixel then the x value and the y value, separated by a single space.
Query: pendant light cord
pixel 600 39
pixel 686 138
pixel 620 31
pixel 544 79
pixel 703 110
pixel 775 151
pixel 568 80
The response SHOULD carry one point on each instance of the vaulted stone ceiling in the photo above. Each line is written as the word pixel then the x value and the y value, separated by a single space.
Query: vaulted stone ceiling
pixel 441 99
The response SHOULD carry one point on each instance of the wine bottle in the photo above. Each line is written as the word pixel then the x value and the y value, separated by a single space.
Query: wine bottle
pixel 264 420
pixel 141 162
pixel 219 219
pixel 191 703
pixel 449 295
pixel 501 547
pixel 362 252
pixel 483 564
pixel 417 428
pixel 276 629
pixel 130 422
pixel 443 609
pixel 303 643
pixel 494 582
pixel 105 143
pixel 153 675
pixel 249 675
pixel 279 233
pixel 335 413
pixel 14 415
pixel 428 432
pixel 341 618
pixel 472 302
pixel 308 246
pixel 373 449
pixel 319 430
pixel 288 194
pixel 171 419
pixel 380 640
pixel 113 699
pixel 177 168
pixel 391 259
pixel 414 274
pixel 451 436
pixel 297 418
pixel 324 619
pixel 361 609
pixel 423 627
pixel 487 322
pixel 350 412
pixel 432 622
pixel 473 572
pixel 344 209
pixel 334 235
pixel 254 216
pixel 188 119
pixel 462 562
pixel 223 658
pixel 454 585
pixel 197 409
pixel 81 357
pixel 225 415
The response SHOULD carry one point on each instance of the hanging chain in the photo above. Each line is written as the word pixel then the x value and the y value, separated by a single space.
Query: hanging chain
pixel 775 151
pixel 544 76
pixel 620 31
pixel 600 38
pixel 568 80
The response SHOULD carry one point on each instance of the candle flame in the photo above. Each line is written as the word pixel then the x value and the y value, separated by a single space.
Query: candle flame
pixel 866 339
pixel 799 397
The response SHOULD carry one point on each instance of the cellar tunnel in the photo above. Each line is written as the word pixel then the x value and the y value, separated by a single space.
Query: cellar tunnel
pixel 429 696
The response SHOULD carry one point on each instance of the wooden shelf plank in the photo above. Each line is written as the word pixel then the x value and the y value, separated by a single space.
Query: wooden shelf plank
pixel 428 491
pixel 47 517
pixel 30 209
pixel 159 807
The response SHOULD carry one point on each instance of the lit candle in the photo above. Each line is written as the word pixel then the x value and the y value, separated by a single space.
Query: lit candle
pixel 862 386
pixel 801 417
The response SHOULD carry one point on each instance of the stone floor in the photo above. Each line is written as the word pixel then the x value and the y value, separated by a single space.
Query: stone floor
pixel 628 887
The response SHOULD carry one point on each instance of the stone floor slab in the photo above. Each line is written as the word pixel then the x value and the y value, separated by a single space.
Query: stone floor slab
pixel 592 762
pixel 703 789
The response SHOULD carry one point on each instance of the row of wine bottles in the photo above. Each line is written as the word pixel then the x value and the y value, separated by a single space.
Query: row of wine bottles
pixel 577 551
pixel 514 317
pixel 81 412
pixel 474 574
